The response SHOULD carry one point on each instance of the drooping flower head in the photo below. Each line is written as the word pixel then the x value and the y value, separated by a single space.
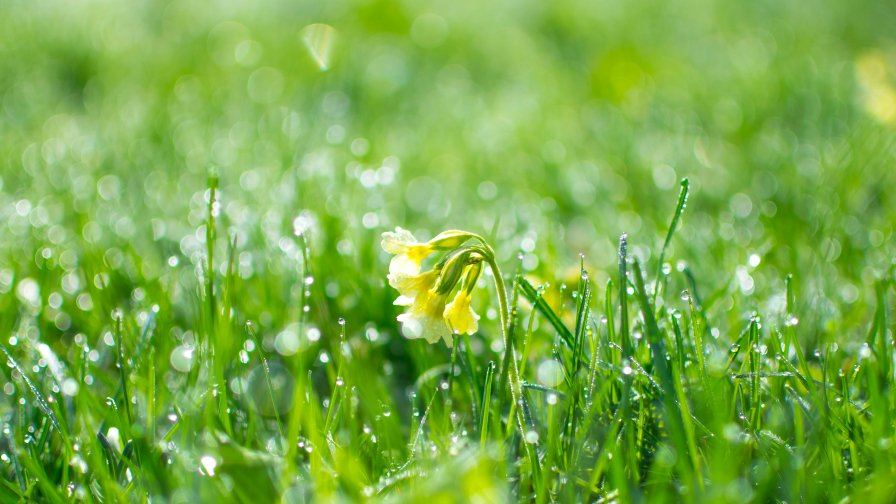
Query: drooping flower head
pixel 429 315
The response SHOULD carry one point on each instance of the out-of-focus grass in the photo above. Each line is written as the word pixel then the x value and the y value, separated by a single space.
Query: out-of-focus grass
pixel 552 129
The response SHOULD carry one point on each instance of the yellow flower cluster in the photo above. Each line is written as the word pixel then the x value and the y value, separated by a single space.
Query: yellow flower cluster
pixel 429 314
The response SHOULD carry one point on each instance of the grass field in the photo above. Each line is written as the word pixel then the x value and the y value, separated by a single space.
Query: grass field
pixel 683 255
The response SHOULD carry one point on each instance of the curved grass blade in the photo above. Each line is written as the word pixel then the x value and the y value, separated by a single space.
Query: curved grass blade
pixel 679 208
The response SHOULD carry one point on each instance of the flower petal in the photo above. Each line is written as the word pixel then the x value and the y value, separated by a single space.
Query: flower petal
pixel 460 315
pixel 411 285
pixel 403 301
pixel 397 242
pixel 403 265
pixel 424 318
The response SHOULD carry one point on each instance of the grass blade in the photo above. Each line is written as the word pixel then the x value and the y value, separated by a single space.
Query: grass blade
pixel 531 295
pixel 676 217
pixel 38 397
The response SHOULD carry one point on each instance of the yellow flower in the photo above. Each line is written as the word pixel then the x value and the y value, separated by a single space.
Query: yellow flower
pixel 426 294
pixel 409 286
pixel 460 314
pixel 425 318
pixel 409 253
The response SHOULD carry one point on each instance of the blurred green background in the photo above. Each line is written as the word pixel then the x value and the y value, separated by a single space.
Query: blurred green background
pixel 551 127
pixel 548 127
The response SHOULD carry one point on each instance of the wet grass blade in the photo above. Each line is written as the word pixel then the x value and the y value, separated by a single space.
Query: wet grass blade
pixel 676 217
pixel 38 397
pixel 531 295
pixel 486 402
pixel 623 297
pixel 672 413
pixel 110 457
pixel 122 372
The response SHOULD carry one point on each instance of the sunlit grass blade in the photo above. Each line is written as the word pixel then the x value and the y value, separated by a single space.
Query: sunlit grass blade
pixel 531 294
pixel 676 217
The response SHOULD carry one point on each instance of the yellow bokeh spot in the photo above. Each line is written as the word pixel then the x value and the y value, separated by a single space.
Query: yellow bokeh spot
pixel 876 76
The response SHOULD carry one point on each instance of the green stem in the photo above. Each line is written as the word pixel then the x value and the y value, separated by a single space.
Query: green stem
pixel 453 363
pixel 516 393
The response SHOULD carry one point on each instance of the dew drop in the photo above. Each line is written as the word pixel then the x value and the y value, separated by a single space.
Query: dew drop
pixel 182 358
pixel 208 464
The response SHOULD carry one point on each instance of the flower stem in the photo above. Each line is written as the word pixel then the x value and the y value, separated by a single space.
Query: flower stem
pixel 453 363
pixel 519 403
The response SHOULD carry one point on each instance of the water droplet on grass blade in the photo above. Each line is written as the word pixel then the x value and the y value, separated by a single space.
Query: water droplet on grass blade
pixel 549 373
pixel 208 464
pixel 865 351
pixel 69 387
pixel 182 358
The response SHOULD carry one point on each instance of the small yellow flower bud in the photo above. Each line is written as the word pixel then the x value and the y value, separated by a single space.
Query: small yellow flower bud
pixel 448 240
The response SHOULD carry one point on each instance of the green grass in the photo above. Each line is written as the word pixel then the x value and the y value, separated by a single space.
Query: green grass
pixel 193 298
